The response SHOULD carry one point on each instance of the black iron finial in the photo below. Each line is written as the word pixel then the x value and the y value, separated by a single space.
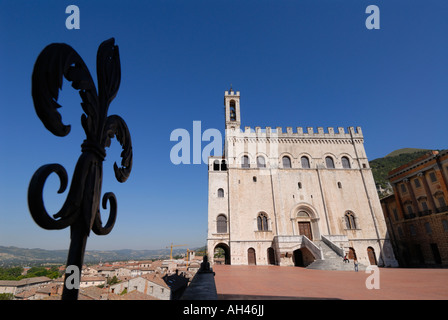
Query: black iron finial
pixel 81 208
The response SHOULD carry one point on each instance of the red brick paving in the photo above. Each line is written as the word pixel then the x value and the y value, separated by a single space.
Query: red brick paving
pixel 274 282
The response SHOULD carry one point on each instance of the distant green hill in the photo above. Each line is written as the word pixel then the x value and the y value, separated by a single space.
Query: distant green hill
pixel 382 166
pixel 406 151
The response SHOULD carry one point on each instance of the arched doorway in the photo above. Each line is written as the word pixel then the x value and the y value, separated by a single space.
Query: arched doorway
pixel 372 256
pixel 271 255
pixel 251 256
pixel 298 258
pixel 305 229
pixel 221 254
pixel 352 254
pixel 305 221
pixel 302 257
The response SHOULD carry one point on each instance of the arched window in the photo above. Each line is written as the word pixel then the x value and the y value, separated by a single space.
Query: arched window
pixel 329 162
pixel 223 165
pixel 262 222
pixel 216 165
pixel 286 162
pixel 232 110
pixel 305 162
pixel 345 163
pixel 299 185
pixel 221 224
pixel 220 193
pixel 350 220
pixel 245 162
pixel 261 163
pixel 303 214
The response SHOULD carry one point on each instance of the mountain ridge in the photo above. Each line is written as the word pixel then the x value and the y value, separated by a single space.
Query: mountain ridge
pixel 12 255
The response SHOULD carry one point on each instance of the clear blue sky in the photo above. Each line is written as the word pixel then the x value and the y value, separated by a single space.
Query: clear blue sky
pixel 296 63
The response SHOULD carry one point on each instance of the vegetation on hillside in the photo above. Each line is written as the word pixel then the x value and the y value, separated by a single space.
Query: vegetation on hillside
pixel 16 273
pixel 405 151
pixel 382 166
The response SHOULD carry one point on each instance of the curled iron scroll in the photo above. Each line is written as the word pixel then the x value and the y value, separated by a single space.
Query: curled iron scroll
pixel 55 62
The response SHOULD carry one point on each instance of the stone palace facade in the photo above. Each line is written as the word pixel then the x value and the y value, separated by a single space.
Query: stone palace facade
pixel 278 196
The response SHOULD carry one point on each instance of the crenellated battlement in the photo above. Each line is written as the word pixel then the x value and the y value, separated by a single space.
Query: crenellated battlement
pixel 299 132
pixel 232 93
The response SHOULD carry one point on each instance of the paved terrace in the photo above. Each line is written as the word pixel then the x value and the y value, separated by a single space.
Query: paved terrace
pixel 274 282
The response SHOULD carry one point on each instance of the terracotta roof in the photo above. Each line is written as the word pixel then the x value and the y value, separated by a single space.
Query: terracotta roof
pixel 103 268
pixel 25 294
pixel 94 293
pixel 133 295
pixel 23 282
pixel 92 278
pixel 155 278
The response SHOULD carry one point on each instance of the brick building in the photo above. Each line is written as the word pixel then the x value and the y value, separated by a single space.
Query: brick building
pixel 417 213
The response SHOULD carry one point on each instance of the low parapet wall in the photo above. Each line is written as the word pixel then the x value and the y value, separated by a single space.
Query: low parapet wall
pixel 202 287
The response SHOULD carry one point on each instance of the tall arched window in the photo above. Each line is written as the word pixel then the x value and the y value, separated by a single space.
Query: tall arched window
pixel 261 163
pixel 221 224
pixel 262 222
pixel 286 162
pixel 245 162
pixel 220 193
pixel 232 110
pixel 345 163
pixel 216 165
pixel 350 220
pixel 305 162
pixel 329 162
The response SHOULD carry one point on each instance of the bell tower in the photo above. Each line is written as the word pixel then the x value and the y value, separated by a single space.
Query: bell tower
pixel 232 106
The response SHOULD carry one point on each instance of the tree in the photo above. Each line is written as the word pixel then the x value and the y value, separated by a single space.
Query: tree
pixel 6 296
pixel 10 273
pixel 112 281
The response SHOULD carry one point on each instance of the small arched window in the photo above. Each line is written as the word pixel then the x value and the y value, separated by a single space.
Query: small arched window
pixel 220 193
pixel 261 163
pixel 223 165
pixel 345 163
pixel 245 162
pixel 350 220
pixel 216 165
pixel 286 162
pixel 305 162
pixel 299 185
pixel 262 222
pixel 221 224
pixel 232 110
pixel 329 162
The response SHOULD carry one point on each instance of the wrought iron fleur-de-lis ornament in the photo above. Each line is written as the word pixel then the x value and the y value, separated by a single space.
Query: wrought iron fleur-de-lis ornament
pixel 80 210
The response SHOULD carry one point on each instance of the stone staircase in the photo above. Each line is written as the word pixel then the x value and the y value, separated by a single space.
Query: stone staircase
pixel 332 261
